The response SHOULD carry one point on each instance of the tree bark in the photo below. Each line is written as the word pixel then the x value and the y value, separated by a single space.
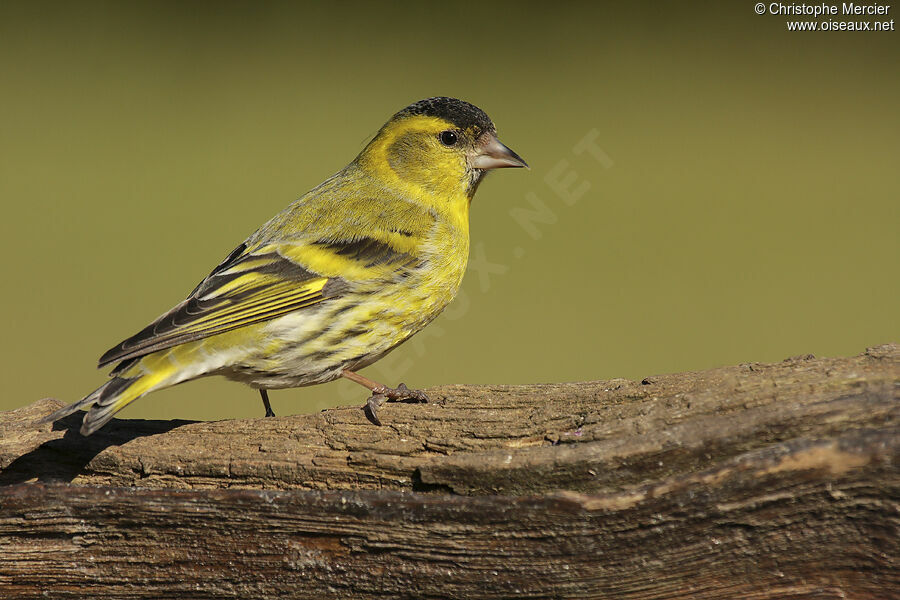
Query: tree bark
pixel 752 481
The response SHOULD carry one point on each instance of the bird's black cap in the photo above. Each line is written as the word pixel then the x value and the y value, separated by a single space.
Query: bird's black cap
pixel 462 114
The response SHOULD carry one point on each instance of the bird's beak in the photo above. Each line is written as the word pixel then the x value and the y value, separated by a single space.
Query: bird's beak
pixel 491 154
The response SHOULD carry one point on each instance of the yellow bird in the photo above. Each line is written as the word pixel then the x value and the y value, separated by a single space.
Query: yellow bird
pixel 332 283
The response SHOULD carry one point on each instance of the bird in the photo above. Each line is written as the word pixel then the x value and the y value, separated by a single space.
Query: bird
pixel 332 283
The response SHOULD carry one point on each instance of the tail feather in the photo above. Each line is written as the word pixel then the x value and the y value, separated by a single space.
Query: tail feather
pixel 117 393
pixel 130 381
pixel 107 400
pixel 85 402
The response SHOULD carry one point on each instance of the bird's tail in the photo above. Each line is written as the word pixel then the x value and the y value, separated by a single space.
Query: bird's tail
pixel 124 388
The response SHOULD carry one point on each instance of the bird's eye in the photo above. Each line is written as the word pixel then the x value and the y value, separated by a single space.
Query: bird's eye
pixel 448 138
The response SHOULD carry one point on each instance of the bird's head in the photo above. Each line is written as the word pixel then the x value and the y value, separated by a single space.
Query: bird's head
pixel 441 146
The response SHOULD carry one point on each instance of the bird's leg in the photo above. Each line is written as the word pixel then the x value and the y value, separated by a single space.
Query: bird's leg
pixel 265 397
pixel 382 393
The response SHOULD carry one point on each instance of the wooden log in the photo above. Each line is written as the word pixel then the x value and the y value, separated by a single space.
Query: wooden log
pixel 754 481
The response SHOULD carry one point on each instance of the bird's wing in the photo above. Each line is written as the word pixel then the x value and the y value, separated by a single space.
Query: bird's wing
pixel 262 283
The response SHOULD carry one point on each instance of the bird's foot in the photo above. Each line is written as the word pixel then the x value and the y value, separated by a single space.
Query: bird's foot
pixel 382 394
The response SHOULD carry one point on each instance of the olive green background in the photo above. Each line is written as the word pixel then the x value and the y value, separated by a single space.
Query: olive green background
pixel 748 209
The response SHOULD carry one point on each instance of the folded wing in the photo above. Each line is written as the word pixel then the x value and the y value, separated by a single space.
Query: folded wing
pixel 251 286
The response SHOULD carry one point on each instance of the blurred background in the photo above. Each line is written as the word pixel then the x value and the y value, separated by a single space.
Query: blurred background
pixel 707 188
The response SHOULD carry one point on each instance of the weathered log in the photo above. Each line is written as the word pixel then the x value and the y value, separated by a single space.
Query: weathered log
pixel 755 481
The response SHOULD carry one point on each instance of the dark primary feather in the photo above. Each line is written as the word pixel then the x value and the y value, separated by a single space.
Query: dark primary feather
pixel 290 287
pixel 225 264
pixel 174 327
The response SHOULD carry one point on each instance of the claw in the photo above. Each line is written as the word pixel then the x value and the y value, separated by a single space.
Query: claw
pixel 372 405
pixel 382 394
pixel 408 394
pixel 401 392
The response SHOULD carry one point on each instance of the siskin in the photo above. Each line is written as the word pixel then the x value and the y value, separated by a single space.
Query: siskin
pixel 335 281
